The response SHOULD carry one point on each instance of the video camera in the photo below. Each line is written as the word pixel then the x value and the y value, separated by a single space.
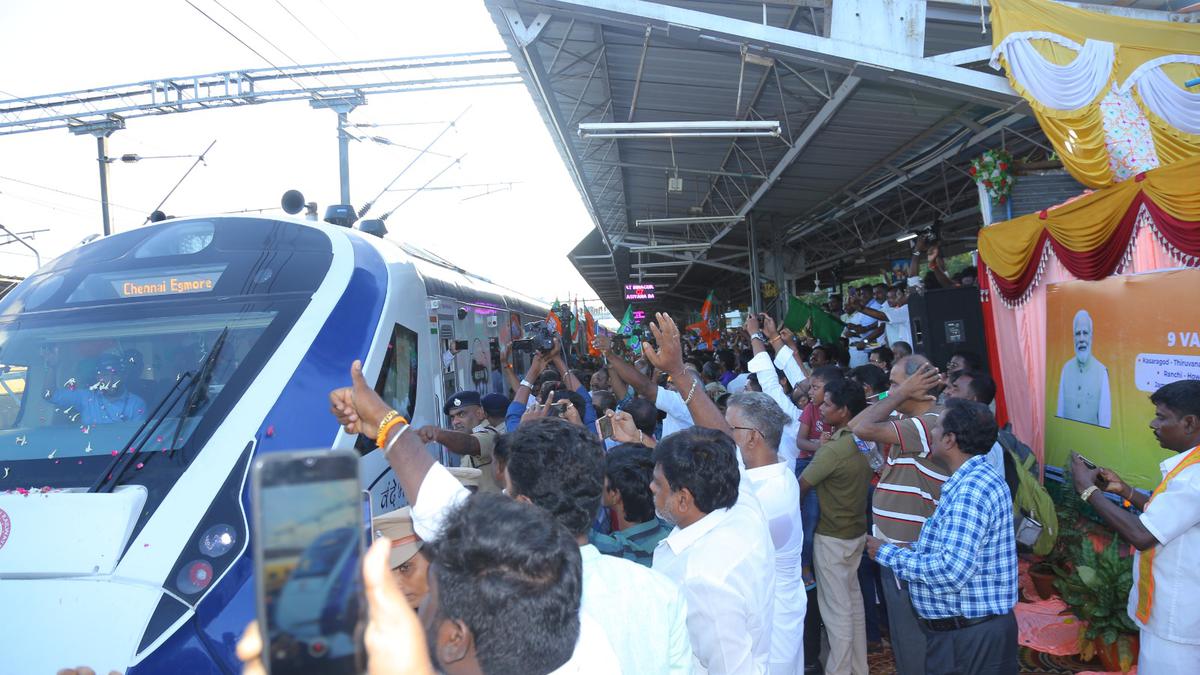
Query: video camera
pixel 537 337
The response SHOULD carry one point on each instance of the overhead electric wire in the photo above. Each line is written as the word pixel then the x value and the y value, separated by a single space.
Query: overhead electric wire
pixel 315 37
pixel 367 206
pixel 382 140
pixel 268 41
pixel 245 44
pixel 417 192
pixel 345 25
pixel 64 192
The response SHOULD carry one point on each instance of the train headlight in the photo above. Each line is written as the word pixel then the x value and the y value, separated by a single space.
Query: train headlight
pixel 218 540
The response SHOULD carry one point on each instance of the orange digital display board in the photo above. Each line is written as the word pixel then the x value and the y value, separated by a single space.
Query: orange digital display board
pixel 166 284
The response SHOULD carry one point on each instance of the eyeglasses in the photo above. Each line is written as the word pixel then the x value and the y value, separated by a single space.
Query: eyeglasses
pixel 750 429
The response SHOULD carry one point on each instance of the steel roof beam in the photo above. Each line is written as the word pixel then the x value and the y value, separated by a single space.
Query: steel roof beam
pixel 798 145
pixel 829 53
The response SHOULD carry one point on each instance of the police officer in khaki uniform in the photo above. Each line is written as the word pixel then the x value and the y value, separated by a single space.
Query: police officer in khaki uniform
pixel 470 436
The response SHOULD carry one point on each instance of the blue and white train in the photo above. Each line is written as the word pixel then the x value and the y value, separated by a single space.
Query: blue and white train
pixel 140 562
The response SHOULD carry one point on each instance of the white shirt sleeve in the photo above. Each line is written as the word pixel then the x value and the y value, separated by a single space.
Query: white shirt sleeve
pixel 1176 509
pixel 789 366
pixel 440 494
pixel 672 403
pixel 1105 401
pixel 761 365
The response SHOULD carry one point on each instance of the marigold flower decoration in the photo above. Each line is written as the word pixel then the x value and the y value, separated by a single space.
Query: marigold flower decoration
pixel 993 170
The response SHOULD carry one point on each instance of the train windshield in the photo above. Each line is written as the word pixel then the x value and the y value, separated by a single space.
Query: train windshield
pixel 103 340
pixel 74 385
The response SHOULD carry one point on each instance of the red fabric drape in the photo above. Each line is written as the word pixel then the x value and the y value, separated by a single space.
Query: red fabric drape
pixel 1101 262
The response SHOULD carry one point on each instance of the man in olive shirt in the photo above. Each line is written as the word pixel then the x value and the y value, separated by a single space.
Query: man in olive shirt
pixel 841 475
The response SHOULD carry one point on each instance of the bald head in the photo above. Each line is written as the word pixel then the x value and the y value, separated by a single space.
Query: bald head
pixel 904 369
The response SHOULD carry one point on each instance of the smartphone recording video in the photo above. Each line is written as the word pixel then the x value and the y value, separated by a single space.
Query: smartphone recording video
pixel 307 561
pixel 604 424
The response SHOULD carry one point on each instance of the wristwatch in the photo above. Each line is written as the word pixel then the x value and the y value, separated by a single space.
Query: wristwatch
pixel 760 337
pixel 1087 494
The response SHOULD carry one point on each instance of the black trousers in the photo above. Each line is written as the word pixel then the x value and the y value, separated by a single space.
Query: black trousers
pixel 988 648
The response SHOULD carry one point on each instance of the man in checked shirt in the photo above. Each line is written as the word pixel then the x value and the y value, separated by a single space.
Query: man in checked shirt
pixel 962 571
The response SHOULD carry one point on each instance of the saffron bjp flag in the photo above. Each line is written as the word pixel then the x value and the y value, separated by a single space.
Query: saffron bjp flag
pixel 553 320
pixel 589 331
pixel 707 325
pixel 575 322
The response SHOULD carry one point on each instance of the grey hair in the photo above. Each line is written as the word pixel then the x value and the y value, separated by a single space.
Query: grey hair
pixel 762 413
pixel 914 363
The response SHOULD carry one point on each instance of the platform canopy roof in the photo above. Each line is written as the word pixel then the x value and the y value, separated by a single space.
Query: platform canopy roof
pixel 830 128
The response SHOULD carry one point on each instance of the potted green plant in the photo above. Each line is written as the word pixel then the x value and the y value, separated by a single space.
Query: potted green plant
pixel 1096 591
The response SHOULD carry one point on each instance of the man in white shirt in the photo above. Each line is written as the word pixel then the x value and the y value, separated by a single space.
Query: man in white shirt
pixel 508 601
pixel 864 328
pixel 898 328
pixel 720 552
pixel 558 467
pixel 1166 535
pixel 762 366
pixel 757 424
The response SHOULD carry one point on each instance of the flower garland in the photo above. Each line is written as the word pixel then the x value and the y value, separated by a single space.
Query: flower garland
pixel 991 170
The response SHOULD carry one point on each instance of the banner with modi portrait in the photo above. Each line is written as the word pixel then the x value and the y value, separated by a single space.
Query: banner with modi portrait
pixel 1109 345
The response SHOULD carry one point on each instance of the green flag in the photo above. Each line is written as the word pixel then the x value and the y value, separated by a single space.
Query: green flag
pixel 626 329
pixel 825 327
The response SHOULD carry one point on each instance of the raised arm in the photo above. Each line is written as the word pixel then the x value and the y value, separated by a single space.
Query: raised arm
pixel 506 366
pixel 669 358
pixel 360 410
pixel 625 370
pixel 872 423
pixel 788 359
pixel 765 369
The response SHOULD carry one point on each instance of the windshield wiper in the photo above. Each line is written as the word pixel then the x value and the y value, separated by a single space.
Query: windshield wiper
pixel 111 475
pixel 199 386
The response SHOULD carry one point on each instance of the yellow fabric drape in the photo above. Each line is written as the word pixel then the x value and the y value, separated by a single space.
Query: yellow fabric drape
pixel 1137 41
pixel 1078 136
pixel 1087 223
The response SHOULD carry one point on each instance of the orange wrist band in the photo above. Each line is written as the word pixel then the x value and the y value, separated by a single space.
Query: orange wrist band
pixel 390 420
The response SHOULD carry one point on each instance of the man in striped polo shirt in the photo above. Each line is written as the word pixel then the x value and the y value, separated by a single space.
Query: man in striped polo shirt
pixel 910 484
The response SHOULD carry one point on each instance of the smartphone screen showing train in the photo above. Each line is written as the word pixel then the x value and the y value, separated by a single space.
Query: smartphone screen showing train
pixel 312 582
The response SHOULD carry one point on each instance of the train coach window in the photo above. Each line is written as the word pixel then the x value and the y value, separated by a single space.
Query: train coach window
pixel 398 377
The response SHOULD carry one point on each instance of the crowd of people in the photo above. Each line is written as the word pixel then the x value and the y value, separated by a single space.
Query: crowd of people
pixel 761 507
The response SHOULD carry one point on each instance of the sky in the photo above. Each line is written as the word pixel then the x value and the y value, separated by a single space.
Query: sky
pixel 517 237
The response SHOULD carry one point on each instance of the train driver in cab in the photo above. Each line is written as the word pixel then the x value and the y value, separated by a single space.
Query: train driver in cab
pixel 470 435
pixel 105 400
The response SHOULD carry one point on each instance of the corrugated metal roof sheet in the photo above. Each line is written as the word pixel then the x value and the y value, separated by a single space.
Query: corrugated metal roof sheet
pixel 592 59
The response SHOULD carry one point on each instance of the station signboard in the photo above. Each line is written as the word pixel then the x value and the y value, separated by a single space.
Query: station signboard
pixel 639 292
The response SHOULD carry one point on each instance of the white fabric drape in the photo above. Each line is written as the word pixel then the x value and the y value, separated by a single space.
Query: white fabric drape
pixel 1175 105
pixel 1067 87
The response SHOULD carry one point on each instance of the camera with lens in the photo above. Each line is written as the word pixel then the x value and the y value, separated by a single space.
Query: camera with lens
pixel 537 337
